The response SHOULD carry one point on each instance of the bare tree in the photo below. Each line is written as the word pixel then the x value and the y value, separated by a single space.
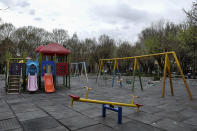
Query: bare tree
pixel 60 36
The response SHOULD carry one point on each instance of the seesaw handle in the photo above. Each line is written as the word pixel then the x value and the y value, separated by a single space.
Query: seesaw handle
pixel 72 101
pixel 87 89
pixel 134 98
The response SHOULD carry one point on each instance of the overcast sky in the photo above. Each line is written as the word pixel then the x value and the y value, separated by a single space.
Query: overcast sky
pixel 120 19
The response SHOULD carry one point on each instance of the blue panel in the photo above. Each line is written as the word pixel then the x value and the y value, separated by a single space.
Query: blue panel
pixel 16 68
pixel 32 67
pixel 44 64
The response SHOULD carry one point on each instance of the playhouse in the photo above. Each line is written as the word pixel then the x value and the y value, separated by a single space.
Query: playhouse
pixel 54 61
pixel 51 61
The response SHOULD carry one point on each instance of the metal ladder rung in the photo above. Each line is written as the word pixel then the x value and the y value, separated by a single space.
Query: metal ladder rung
pixel 13 89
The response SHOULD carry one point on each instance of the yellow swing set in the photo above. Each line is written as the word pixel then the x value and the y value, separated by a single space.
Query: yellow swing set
pixel 166 68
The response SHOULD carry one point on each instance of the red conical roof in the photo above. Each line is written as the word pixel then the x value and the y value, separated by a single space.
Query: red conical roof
pixel 54 48
pixel 39 48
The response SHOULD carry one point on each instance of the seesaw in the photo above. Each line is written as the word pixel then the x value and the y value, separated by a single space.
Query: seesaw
pixel 106 104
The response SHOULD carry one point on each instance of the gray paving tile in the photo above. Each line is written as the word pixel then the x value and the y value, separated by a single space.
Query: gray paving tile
pixel 44 103
pixel 136 126
pixel 9 124
pixel 192 121
pixel 169 113
pixel 6 115
pixel 59 128
pixel 151 109
pixel 174 115
pixel 128 110
pixel 98 127
pixel 65 114
pixel 111 120
pixel 92 112
pixel 78 122
pixel 172 125
pixel 171 107
pixel 4 108
pixel 20 108
pixel 18 129
pixel 40 124
pixel 30 115
pixel 54 108
pixel 189 112
pixel 17 100
pixel 144 117
pixel 81 106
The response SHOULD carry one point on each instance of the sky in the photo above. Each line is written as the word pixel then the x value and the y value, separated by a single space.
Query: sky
pixel 120 19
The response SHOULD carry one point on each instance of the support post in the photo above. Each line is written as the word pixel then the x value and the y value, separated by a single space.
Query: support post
pixel 182 75
pixel 86 75
pixel 119 115
pixel 69 71
pixel 138 69
pixel 119 77
pixel 55 71
pixel 103 110
pixel 114 73
pixel 164 75
pixel 64 75
pixel 169 76
pixel 134 71
pixel 114 76
pixel 40 75
pixel 119 110
pixel 64 80
pixel 99 70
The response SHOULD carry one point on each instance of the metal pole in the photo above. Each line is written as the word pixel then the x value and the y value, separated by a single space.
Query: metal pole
pixel 68 71
pixel 169 75
pixel 134 70
pixel 182 75
pixel 55 71
pixel 164 75
pixel 138 69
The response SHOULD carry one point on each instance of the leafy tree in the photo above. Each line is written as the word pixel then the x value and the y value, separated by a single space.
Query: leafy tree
pixel 125 49
pixel 192 33
pixel 106 47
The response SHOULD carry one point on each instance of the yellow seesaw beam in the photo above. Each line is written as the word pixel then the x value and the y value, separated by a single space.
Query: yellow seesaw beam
pixel 78 99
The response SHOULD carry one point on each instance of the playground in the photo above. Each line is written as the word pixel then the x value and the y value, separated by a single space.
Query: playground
pixel 52 93
pixel 52 112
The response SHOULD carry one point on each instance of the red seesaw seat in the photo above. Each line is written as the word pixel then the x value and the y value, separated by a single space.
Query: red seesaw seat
pixel 138 105
pixel 74 97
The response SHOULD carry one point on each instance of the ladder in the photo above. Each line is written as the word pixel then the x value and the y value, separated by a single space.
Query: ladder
pixel 14 84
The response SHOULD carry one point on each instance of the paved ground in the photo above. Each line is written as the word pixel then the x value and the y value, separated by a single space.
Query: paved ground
pixel 51 112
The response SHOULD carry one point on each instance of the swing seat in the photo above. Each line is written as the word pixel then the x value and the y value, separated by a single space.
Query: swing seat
pixel 129 81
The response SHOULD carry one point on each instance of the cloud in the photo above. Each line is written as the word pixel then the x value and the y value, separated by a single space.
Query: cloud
pixel 120 19
pixel 125 27
pixel 7 2
pixel 38 19
pixel 15 3
pixel 120 13
pixel 23 4
pixel 32 12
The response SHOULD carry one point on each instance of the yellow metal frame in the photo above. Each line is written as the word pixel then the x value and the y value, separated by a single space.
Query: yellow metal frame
pixel 87 90
pixel 104 102
pixel 166 67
